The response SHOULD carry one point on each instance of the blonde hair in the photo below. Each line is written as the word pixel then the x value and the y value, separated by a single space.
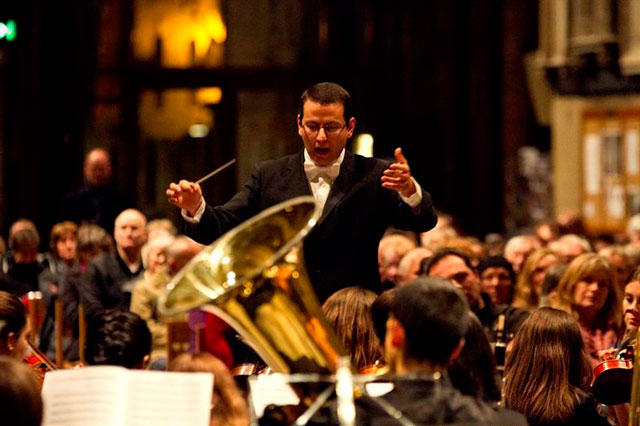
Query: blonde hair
pixel 525 297
pixel 583 267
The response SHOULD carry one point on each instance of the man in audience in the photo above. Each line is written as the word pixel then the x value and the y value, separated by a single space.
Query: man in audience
pixel 109 278
pixel 144 298
pixel 423 312
pixel 391 250
pixel 456 267
pixel 570 246
pixel 118 338
pixel 96 201
pixel 409 266
pixel 518 248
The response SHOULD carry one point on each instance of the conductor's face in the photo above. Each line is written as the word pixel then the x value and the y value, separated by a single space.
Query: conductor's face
pixel 324 131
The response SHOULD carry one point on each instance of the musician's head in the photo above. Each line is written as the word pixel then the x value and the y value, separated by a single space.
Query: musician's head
pixel 228 405
pixel 14 327
pixel 631 301
pixel 426 327
pixel 325 122
pixel 547 368
pixel 118 338
pixel 20 401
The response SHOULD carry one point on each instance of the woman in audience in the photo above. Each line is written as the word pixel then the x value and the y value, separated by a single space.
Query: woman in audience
pixel 473 372
pixel 588 291
pixel 20 401
pixel 228 406
pixel 349 312
pixel 529 284
pixel 547 372
pixel 13 326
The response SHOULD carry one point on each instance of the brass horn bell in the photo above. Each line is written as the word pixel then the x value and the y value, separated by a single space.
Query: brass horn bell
pixel 253 277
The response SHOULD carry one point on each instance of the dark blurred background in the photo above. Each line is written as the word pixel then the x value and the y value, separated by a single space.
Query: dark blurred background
pixel 175 88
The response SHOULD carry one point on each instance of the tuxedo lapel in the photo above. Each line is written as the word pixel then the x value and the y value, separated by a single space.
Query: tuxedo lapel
pixel 295 179
pixel 341 186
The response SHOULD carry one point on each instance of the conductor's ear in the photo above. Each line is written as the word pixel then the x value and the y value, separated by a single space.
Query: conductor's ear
pixel 300 130
pixel 351 126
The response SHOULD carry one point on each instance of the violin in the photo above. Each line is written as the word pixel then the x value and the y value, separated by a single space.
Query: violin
pixel 38 362
pixel 612 378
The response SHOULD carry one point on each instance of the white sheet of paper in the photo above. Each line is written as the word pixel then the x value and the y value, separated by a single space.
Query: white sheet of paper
pixel 270 389
pixel 106 395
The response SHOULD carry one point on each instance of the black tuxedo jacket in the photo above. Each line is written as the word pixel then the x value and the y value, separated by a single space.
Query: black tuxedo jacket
pixel 342 250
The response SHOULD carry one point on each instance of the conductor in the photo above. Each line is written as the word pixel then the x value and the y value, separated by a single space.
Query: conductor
pixel 361 197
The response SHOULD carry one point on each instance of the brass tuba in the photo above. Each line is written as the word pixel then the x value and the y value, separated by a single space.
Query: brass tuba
pixel 253 277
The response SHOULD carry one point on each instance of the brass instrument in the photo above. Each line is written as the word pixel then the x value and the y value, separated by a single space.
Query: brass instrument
pixel 253 277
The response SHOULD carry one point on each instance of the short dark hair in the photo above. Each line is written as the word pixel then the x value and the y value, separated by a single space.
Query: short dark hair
pixel 327 93
pixel 20 401
pixel 496 262
pixel 430 262
pixel 433 314
pixel 117 338
pixel 380 313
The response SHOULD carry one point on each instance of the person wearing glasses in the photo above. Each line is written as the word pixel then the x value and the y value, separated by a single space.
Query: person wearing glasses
pixel 361 197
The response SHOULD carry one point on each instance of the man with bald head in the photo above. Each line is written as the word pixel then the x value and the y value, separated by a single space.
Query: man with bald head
pixel 109 277
pixel 96 201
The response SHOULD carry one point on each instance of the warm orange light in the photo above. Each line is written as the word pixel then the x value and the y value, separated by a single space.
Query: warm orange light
pixel 209 95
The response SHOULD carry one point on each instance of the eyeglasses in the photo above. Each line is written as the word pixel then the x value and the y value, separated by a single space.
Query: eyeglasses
pixel 330 128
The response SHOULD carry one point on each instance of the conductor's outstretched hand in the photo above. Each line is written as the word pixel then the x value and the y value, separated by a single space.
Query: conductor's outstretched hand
pixel 398 176
pixel 186 195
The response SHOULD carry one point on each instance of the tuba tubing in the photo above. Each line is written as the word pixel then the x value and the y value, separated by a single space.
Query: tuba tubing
pixel 253 277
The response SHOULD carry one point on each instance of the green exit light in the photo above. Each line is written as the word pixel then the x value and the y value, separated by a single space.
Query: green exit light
pixel 8 30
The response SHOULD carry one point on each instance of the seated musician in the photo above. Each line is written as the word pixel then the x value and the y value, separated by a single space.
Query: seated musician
pixel 14 327
pixel 20 401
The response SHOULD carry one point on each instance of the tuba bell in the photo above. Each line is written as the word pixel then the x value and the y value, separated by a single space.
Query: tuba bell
pixel 253 277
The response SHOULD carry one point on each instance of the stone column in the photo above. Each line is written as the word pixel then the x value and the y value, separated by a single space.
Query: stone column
pixel 629 14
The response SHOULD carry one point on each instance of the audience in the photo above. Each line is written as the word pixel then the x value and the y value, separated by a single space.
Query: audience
pixel 529 284
pixel 570 246
pixel 588 291
pixel 497 278
pixel 409 266
pixel 547 373
pixel 456 267
pixel 518 248
pixel 391 250
pixel 109 278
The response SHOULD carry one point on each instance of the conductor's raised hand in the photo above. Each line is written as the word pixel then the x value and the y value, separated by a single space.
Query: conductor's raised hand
pixel 186 195
pixel 398 176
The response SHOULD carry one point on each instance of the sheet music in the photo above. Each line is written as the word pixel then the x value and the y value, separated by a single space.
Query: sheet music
pixel 90 396
pixel 267 389
pixel 160 398
pixel 96 396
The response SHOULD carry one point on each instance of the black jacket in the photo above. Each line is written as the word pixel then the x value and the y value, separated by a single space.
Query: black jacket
pixel 342 250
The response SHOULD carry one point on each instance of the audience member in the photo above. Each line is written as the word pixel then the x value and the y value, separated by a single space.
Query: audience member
pixel 620 261
pixel 588 291
pixel 158 227
pixel 547 373
pixel 20 401
pixel 409 266
pixel 144 298
pixel 63 244
pixel 497 279
pixel 529 284
pixel 518 248
pixel 391 250
pixel 633 230
pixel 423 312
pixel 108 280
pixel 349 313
pixel 570 246
pixel 494 244
pixel 473 372
pixel 547 232
pixel 455 266
pixel 228 407
pixel 96 201
pixel 118 338
pixel 22 265
pixel 550 283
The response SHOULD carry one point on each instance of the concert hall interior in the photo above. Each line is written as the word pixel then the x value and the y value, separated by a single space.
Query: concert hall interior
pixel 346 212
